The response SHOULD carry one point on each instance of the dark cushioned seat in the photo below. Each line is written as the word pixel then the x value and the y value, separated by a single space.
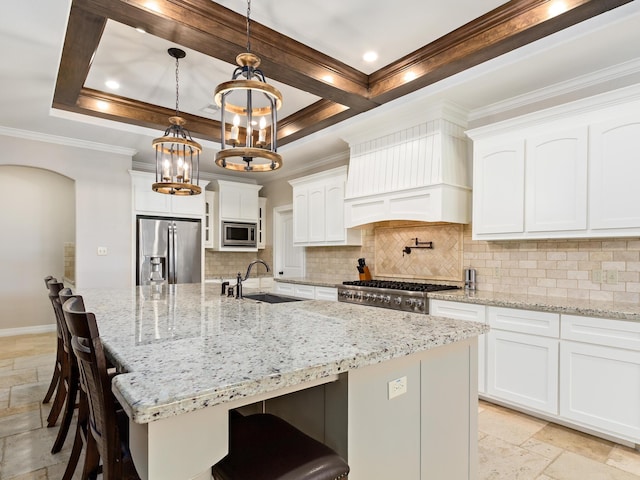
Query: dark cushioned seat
pixel 265 447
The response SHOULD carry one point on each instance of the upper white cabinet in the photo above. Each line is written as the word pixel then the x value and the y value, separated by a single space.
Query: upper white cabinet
pixel 556 173
pixel 318 210
pixel 498 167
pixel 238 201
pixel 262 222
pixel 567 172
pixel 209 205
pixel 615 170
pixel 146 201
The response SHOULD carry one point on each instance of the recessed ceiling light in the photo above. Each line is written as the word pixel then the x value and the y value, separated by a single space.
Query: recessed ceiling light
pixel 409 76
pixel 112 84
pixel 102 105
pixel 557 7
pixel 370 56
pixel 140 30
pixel 328 78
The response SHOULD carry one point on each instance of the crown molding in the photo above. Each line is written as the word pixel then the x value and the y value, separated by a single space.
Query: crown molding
pixel 584 82
pixel 69 142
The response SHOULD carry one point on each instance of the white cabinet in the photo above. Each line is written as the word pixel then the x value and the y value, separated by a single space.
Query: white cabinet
pixel 472 313
pixel 567 172
pixel 146 201
pixel 318 210
pixel 615 170
pixel 600 375
pixel 522 362
pixel 238 201
pixel 262 222
pixel 498 188
pixel 209 230
pixel 556 173
pixel 310 292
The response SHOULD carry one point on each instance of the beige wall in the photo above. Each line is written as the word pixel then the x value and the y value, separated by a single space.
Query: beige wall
pixel 102 218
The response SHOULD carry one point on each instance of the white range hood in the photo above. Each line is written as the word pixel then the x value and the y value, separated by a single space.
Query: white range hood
pixel 418 173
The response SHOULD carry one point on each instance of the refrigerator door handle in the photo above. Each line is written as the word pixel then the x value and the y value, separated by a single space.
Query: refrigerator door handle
pixel 172 252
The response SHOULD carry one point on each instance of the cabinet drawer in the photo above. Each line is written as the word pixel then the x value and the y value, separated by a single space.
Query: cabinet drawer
pixel 457 310
pixel 544 324
pixel 601 331
pixel 304 291
pixel 284 288
pixel 327 293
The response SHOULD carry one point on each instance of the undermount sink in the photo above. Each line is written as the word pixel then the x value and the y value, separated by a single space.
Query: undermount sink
pixel 270 298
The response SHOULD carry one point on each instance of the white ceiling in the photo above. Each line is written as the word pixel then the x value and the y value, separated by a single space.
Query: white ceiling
pixel 32 33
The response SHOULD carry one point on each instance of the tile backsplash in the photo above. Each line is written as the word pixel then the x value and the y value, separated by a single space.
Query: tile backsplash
pixel 594 269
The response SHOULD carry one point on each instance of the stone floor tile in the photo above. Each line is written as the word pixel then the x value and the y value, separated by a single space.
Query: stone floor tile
pixel 32 361
pixel 22 422
pixel 45 373
pixel 56 471
pixel 37 475
pixel 500 460
pixel 581 443
pixel 6 363
pixel 18 377
pixel 1 452
pixel 4 398
pixel 31 451
pixel 512 427
pixel 542 448
pixel 625 458
pixel 571 466
pixel 27 407
pixel 28 393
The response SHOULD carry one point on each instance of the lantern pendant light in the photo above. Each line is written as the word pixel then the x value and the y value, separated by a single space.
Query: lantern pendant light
pixel 248 123
pixel 177 155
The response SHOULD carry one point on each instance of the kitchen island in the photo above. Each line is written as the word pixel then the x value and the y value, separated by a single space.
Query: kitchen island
pixel 399 389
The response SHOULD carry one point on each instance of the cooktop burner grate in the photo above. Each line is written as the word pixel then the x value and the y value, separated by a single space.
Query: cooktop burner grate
pixel 396 285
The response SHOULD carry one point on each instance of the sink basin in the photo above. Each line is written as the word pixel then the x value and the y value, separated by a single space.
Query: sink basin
pixel 270 298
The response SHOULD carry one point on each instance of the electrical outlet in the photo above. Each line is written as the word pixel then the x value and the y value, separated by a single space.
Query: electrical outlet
pixel 102 251
pixel 397 387
pixel 596 276
pixel 612 277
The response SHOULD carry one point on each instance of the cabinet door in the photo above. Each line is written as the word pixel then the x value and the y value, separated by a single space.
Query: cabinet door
pixel 262 220
pixel 326 293
pixel 229 198
pixel 556 173
pixel 600 387
pixel 187 205
pixel 471 313
pixel 498 188
pixel 145 199
pixel 300 215
pixel 523 369
pixel 317 212
pixel 614 173
pixel 249 205
pixel 209 229
pixel 334 212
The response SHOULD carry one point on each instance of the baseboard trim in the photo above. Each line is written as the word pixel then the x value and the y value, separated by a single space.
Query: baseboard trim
pixel 12 332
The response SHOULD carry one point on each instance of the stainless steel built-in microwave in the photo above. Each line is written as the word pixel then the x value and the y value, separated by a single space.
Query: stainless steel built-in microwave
pixel 239 234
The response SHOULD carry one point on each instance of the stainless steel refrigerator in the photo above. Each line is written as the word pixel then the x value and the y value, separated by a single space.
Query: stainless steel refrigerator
pixel 169 250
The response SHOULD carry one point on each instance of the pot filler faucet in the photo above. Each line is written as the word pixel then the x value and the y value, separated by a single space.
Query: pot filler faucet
pixel 239 278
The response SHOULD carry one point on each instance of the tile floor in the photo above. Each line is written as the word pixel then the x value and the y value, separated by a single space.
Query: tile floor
pixel 512 446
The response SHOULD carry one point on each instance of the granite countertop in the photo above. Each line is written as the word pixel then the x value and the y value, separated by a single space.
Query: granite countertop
pixel 186 347
pixel 590 308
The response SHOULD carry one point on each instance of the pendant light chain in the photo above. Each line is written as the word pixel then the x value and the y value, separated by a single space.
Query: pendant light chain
pixel 248 25
pixel 177 84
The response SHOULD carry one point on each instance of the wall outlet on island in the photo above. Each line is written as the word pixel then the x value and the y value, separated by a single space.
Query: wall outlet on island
pixel 102 251
pixel 397 387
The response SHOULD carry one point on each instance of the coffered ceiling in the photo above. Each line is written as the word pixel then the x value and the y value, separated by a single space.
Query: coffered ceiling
pixel 312 51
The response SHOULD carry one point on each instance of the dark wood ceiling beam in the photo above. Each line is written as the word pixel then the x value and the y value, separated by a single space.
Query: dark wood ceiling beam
pixel 315 117
pixel 84 31
pixel 506 28
pixel 218 32
pixel 121 109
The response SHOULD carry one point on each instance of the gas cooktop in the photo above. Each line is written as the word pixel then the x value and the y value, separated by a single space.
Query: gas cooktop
pixel 406 296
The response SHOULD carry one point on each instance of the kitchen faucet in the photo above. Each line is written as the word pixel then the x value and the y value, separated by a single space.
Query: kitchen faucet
pixel 239 278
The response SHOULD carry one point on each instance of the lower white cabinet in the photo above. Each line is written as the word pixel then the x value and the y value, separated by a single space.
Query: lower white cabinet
pixel 310 292
pixel 522 363
pixel 600 375
pixel 523 369
pixel 472 313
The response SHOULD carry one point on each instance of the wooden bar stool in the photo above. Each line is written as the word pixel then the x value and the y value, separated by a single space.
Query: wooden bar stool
pixel 59 352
